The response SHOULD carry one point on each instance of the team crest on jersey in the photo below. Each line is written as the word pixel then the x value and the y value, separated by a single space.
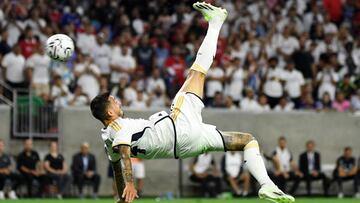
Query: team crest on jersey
pixel 115 126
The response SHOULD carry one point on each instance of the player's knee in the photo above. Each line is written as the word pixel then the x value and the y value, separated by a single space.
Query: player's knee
pixel 247 137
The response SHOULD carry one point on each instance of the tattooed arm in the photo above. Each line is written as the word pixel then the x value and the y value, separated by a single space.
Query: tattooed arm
pixel 123 175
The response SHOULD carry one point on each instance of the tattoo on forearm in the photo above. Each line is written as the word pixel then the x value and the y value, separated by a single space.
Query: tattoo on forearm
pixel 119 179
pixel 126 163
pixel 236 141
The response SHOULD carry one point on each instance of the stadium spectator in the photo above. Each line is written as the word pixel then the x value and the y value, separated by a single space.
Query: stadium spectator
pixel 263 104
pixel 122 65
pixel 141 101
pixel 229 104
pixel 57 169
pixel 28 164
pixel 234 173
pixel 4 46
pixel 59 92
pixel 6 174
pixel 325 104
pixel 84 170
pixel 78 98
pixel 155 82
pixel 326 79
pixel 87 75
pixel 272 82
pixel 346 170
pixel 130 92
pixel 145 55
pixel 218 101
pixel 285 167
pixel 204 171
pixel 303 60
pixel 38 69
pixel 249 103
pixel 310 166
pixel 294 80
pixel 355 101
pixel 13 65
pixel 86 41
pixel 29 44
pixel 347 87
pixel 234 80
pixel 214 83
pixel 284 105
pixel 102 55
pixel 341 104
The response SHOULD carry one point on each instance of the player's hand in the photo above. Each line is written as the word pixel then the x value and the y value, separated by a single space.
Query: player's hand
pixel 129 193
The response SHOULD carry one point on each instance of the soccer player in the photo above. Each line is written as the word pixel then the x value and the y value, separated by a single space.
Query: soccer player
pixel 181 134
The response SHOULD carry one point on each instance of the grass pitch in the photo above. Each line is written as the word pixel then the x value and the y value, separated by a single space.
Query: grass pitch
pixel 238 200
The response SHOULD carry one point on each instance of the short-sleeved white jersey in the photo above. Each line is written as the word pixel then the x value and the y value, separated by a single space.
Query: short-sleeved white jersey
pixel 148 139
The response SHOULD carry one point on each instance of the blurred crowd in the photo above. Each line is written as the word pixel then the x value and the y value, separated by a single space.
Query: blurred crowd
pixel 279 55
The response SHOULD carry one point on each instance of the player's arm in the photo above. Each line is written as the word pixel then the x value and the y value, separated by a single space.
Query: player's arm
pixel 123 174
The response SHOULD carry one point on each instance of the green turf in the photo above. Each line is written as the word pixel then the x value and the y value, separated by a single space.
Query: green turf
pixel 239 200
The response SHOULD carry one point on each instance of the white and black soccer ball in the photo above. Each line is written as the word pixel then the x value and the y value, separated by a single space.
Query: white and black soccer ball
pixel 60 47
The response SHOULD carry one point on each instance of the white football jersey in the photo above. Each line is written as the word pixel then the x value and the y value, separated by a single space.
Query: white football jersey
pixel 148 139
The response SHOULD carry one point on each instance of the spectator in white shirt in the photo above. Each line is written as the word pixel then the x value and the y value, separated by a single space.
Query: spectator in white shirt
pixel 263 104
pixel 235 76
pixel 122 65
pixel 14 26
pixel 285 167
pixel 102 55
pixel 38 66
pixel 13 65
pixel 59 92
pixel 329 27
pixel 35 22
pixel 326 80
pixel 86 41
pixel 288 44
pixel 88 75
pixel 229 103
pixel 141 101
pixel 155 82
pixel 78 98
pixel 294 80
pixel 233 172
pixel 130 93
pixel 249 103
pixel 284 105
pixel 273 77
pixel 158 98
pixel 214 83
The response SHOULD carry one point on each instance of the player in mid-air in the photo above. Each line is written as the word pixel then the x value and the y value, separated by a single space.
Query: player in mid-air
pixel 181 134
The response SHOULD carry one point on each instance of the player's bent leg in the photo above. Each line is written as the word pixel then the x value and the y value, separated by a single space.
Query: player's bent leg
pixel 238 141
pixel 194 83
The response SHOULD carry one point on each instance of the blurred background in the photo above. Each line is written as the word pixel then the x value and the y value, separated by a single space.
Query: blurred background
pixel 288 71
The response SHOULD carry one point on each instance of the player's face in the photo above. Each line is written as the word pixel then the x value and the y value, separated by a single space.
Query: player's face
pixel 115 106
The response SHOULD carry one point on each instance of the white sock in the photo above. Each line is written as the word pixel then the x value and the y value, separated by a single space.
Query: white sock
pixel 207 50
pixel 255 163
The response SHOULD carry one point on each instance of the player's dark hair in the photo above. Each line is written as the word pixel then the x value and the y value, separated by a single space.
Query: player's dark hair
pixel 99 106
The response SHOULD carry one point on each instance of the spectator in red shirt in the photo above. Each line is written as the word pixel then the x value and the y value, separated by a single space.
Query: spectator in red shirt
pixel 175 66
pixel 334 8
pixel 29 43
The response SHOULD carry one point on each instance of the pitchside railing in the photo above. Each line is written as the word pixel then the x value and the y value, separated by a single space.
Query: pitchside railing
pixel 31 116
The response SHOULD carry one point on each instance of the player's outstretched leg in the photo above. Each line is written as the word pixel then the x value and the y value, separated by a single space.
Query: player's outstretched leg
pixel 206 53
pixel 237 141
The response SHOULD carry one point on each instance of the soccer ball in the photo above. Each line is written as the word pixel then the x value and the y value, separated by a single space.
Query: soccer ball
pixel 60 47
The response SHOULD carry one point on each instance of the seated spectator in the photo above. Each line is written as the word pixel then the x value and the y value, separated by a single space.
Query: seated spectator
pixel 155 82
pixel 122 65
pixel 234 173
pixel 38 68
pixel 130 92
pixel 78 98
pixel 346 170
pixel 218 101
pixel 341 104
pixel 229 104
pixel 249 103
pixel 235 76
pixel 325 104
pixel 310 166
pixel 204 171
pixel 88 75
pixel 326 79
pixel 285 167
pixel 29 44
pixel 28 164
pixel 6 174
pixel 84 170
pixel 263 103
pixel 347 87
pixel 59 92
pixel 102 55
pixel 284 105
pixel 56 169
pixel 307 102
pixel 158 98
